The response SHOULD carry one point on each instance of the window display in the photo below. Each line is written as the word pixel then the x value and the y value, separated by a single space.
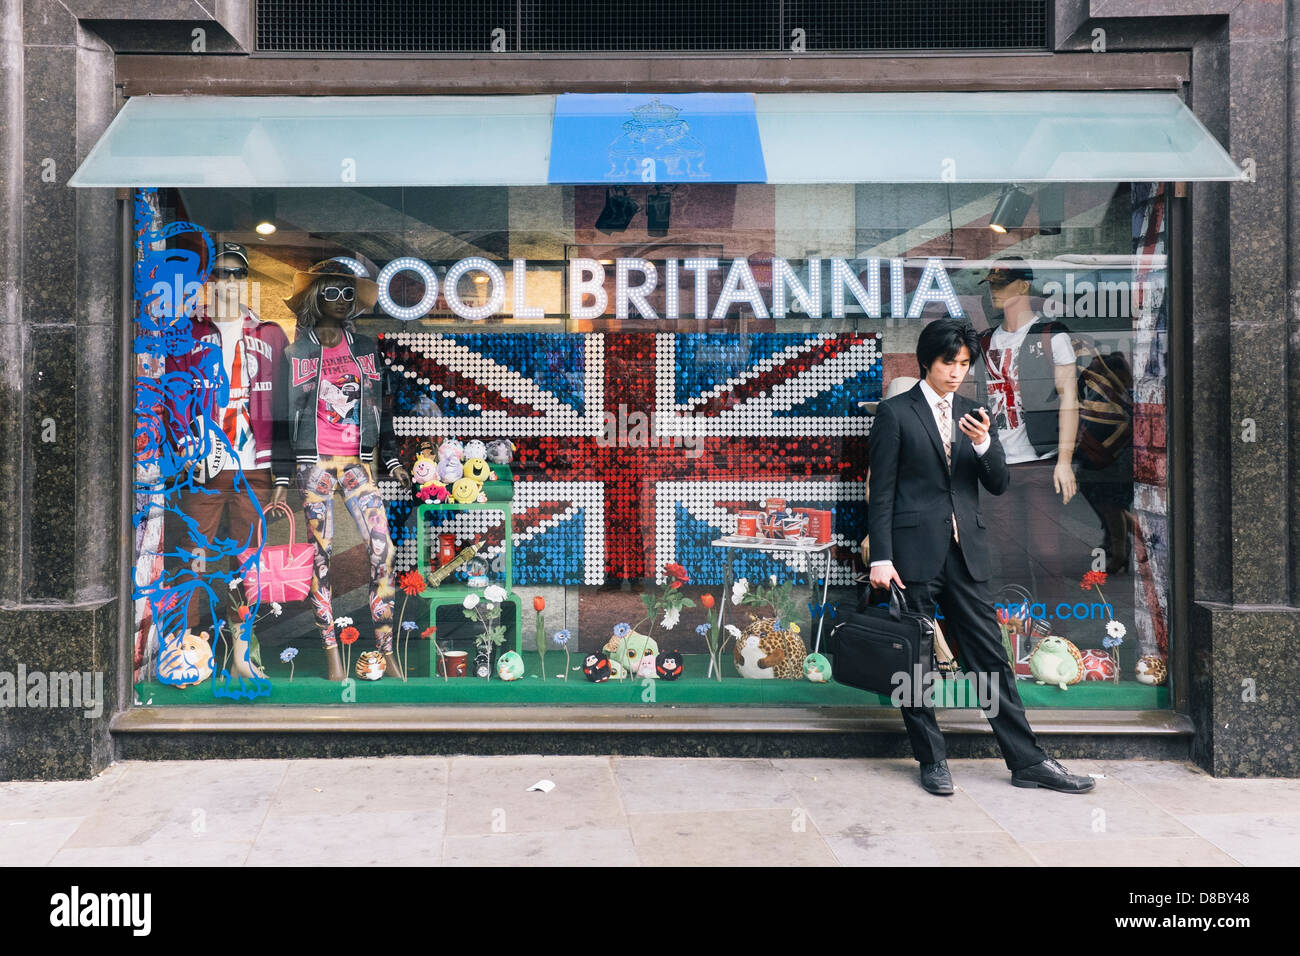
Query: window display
pixel 373 424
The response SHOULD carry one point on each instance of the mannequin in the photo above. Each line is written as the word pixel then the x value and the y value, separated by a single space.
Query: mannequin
pixel 335 425
pixel 235 480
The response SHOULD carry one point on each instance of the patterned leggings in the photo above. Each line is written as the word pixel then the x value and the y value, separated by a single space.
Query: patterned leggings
pixel 317 482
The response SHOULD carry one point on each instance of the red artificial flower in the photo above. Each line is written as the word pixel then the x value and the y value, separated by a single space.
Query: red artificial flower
pixel 1092 579
pixel 412 582
pixel 707 600
pixel 539 604
pixel 428 632
pixel 349 635
pixel 679 575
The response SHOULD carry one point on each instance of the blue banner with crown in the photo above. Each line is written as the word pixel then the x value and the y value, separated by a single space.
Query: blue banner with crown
pixel 656 138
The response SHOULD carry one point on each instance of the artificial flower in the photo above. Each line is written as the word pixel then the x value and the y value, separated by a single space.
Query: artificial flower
pixel 739 590
pixel 1109 642
pixel 703 630
pixel 539 604
pixel 471 601
pixel 343 621
pixel 670 618
pixel 622 629
pixel 678 574
pixel 243 612
pixel 494 593
pixel 409 625
pixel 707 600
pixel 771 580
pixel 1092 579
pixel 1115 629
pixel 235 582
pixel 561 637
pixel 276 609
pixel 349 635
pixel 428 632
pixel 288 654
pixel 733 631
pixel 412 582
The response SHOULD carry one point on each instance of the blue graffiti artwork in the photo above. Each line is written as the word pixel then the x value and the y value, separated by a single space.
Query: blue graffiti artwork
pixel 181 389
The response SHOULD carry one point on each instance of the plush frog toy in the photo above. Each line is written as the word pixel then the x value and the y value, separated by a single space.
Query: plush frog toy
pixel 817 668
pixel 510 666
pixel 1056 661
pixel 632 656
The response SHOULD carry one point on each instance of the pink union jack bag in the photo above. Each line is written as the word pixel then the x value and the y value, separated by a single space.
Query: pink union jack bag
pixel 283 571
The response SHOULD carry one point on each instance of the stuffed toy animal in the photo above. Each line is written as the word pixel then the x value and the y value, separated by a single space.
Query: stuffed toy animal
pixel 475 449
pixel 187 661
pixel 668 665
pixel 451 449
pixel 371 665
pixel 633 654
pixel 763 651
pixel 1054 660
pixel 596 667
pixel 510 666
pixel 449 471
pixel 1151 670
pixel 500 452
pixel 817 668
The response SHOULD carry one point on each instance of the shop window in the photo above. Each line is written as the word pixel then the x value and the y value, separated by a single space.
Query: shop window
pixel 358 410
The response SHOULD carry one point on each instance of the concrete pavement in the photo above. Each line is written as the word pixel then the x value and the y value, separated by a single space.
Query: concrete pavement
pixel 640 811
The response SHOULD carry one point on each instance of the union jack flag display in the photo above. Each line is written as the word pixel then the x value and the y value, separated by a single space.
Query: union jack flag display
pixel 638 449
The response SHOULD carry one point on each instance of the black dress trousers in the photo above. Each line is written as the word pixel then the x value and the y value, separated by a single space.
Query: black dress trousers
pixel 967 607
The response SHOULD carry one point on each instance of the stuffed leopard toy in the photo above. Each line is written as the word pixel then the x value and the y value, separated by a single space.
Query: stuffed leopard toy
pixel 782 651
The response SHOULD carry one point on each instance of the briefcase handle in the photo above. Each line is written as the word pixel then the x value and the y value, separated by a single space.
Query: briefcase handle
pixel 897 603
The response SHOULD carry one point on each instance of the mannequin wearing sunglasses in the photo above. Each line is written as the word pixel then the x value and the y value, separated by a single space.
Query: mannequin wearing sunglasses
pixel 336 428
pixel 223 504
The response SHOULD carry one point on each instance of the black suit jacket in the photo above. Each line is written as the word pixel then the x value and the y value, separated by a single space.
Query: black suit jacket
pixel 913 495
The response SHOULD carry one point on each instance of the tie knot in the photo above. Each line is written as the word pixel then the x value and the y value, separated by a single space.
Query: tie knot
pixel 943 404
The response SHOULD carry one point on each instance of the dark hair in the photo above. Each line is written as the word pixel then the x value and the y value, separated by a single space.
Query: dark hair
pixel 309 310
pixel 945 337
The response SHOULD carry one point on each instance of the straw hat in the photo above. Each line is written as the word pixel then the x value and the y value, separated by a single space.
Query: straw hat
pixel 367 292
pixel 897 386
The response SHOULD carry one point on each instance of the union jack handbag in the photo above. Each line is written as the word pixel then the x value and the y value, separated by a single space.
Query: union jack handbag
pixel 283 571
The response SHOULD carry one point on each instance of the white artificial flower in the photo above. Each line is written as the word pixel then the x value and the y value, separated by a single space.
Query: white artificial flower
pixel 733 631
pixel 343 622
pixel 670 618
pixel 1115 629
pixel 739 590
pixel 495 593
pixel 235 583
pixel 772 580
pixel 471 601
pixel 276 609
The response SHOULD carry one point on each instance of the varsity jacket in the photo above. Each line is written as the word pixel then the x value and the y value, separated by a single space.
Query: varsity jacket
pixel 264 345
pixel 298 388
pixel 1039 400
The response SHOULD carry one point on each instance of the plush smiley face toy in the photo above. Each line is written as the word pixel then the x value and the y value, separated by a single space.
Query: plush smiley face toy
pixel 465 490
pixel 479 470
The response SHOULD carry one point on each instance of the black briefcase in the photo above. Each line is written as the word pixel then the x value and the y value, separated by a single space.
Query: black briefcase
pixel 876 648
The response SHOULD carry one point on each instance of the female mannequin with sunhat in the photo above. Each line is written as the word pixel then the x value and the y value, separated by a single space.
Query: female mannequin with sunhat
pixel 334 422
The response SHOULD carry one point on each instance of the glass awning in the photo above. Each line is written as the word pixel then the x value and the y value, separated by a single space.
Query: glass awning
pixel 328 141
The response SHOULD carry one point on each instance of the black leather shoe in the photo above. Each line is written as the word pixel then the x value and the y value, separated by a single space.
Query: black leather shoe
pixel 1052 776
pixel 936 779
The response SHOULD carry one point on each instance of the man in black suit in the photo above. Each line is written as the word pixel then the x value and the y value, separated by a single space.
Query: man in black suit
pixel 927 535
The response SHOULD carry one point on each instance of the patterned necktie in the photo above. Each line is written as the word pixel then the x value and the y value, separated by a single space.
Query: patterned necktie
pixel 945 433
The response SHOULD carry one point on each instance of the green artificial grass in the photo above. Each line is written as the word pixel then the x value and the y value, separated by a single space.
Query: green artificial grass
pixel 309 688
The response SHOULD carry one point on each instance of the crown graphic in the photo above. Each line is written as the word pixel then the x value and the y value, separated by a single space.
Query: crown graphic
pixel 655 113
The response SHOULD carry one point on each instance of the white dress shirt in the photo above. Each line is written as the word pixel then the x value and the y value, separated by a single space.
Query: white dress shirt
pixel 934 398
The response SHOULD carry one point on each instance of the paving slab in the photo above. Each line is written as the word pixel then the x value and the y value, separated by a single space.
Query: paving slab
pixel 362 784
pixel 1254 839
pixel 729 838
pixel 543 848
pixel 663 785
pixel 488 795
pixel 971 849
pixel 34 842
pixel 1175 851
pixel 366 838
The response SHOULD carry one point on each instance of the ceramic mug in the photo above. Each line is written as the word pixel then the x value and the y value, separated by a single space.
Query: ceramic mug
pixel 453 664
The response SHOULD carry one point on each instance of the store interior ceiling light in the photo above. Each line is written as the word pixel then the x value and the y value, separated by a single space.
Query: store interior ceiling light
pixel 1011 209
pixel 263 203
